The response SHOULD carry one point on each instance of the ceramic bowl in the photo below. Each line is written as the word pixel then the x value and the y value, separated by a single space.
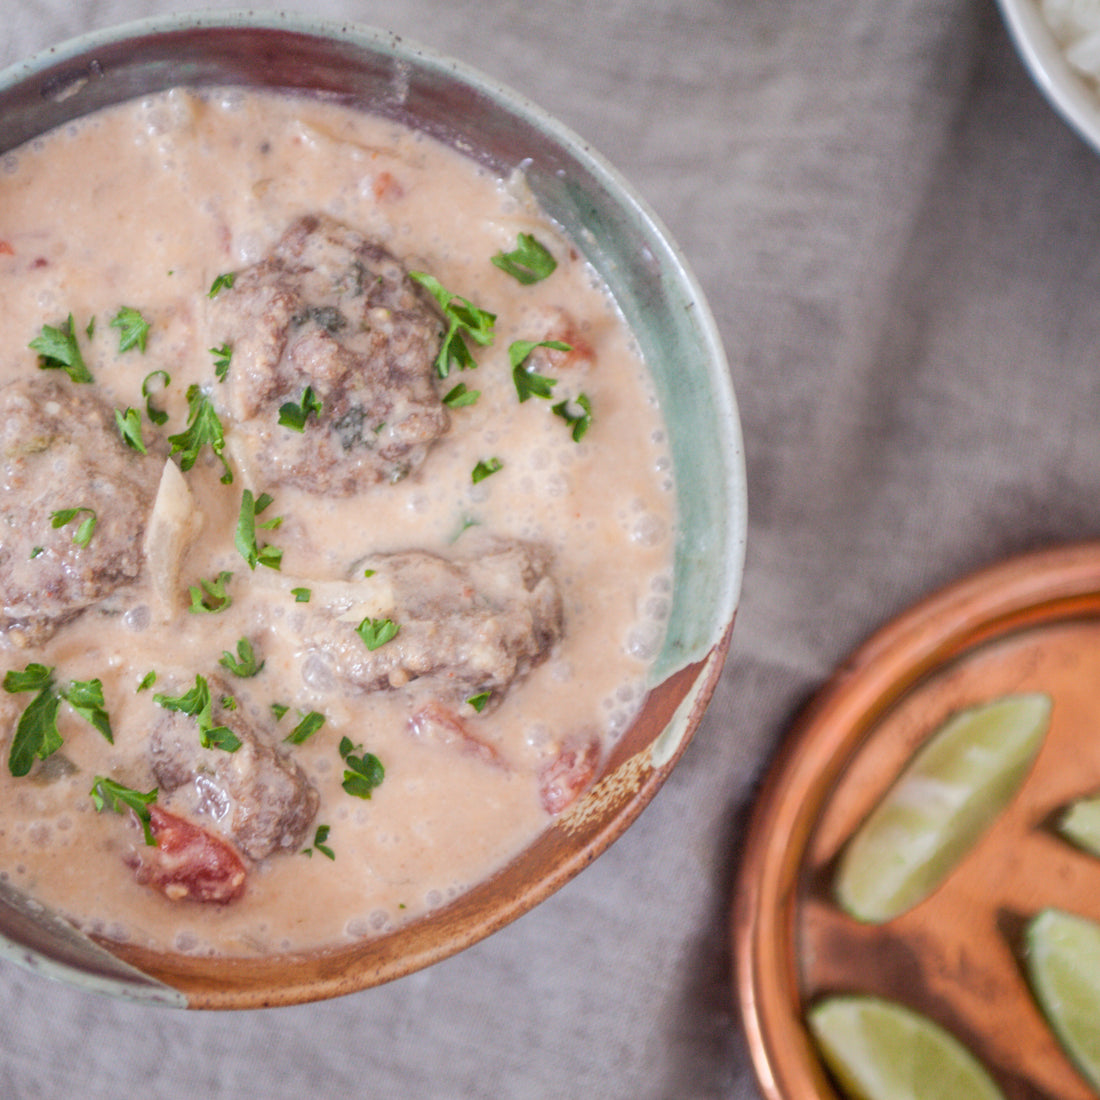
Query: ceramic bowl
pixel 662 303
pixel 1074 96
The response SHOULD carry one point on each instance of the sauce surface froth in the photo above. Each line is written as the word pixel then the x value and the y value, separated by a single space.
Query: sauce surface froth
pixel 142 207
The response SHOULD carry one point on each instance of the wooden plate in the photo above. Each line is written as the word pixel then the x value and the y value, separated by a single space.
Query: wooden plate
pixel 1031 624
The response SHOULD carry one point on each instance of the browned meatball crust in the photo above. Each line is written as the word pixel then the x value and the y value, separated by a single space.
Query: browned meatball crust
pixel 333 311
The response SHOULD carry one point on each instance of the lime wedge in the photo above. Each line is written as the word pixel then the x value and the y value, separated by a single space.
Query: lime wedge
pixel 879 1050
pixel 946 797
pixel 1081 824
pixel 1063 966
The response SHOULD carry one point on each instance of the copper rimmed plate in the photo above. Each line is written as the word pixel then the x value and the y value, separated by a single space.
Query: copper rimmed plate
pixel 1031 624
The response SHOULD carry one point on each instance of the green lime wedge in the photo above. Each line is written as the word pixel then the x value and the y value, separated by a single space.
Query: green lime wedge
pixel 1063 966
pixel 879 1050
pixel 943 801
pixel 1080 824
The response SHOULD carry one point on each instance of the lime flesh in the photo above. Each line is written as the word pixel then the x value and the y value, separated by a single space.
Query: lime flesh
pixel 1081 824
pixel 943 801
pixel 1063 966
pixel 879 1050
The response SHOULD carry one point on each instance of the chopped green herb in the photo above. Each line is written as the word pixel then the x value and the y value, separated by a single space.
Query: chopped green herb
pixel 279 709
pixel 58 350
pixel 301 595
pixel 34 677
pixel 369 572
pixel 271 556
pixel 478 701
pixel 147 681
pixel 129 427
pixel 464 319
pixel 223 356
pixel 244 664
pixel 306 728
pixel 319 839
pixel 157 416
pixel 36 733
pixel 485 468
pixel 529 262
pixel 133 329
pixel 579 422
pixel 295 416
pixel 377 632
pixel 464 526
pixel 460 397
pixel 197 704
pixel 107 793
pixel 86 698
pixel 228 702
pixel 210 596
pixel 89 328
pixel 37 550
pixel 527 382
pixel 203 427
pixel 84 530
pixel 362 774
pixel 224 281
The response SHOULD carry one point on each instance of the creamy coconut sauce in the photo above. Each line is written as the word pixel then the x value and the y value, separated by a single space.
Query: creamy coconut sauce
pixel 143 206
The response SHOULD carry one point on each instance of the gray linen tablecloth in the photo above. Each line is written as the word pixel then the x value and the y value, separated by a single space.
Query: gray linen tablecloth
pixel 898 238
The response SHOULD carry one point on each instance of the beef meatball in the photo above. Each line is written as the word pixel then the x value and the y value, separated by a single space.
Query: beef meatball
pixel 256 796
pixel 61 451
pixel 465 627
pixel 334 312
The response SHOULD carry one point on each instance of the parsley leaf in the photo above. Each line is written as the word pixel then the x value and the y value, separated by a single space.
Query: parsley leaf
pixel 133 329
pixel 377 632
pixel 245 540
pixel 485 468
pixel 129 427
pixel 306 728
pixel 147 681
pixel 157 416
pixel 301 595
pixel 527 382
pixel 223 356
pixel 529 262
pixel 210 596
pixel 460 397
pixel 579 422
pixel 479 701
pixel 294 416
pixel 279 709
pixel 36 733
pixel 224 281
pixel 244 664
pixel 85 529
pixel 58 350
pixel 362 774
pixel 107 793
pixel 86 698
pixel 319 839
pixel 203 427
pixel 464 319
pixel 197 704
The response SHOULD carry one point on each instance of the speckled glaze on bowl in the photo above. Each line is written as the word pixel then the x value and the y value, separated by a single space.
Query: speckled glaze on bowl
pixel 659 298
pixel 1067 91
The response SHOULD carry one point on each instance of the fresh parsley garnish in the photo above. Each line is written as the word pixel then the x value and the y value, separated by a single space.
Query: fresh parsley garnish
pixel 129 427
pixel 133 329
pixel 319 839
pixel 306 728
pixel 529 262
pixel 279 709
pixel 579 422
pixel 210 596
pixel 157 416
pixel 84 530
pixel 198 704
pixel 377 632
pixel 254 554
pixel 485 468
pixel 527 382
pixel 86 698
pixel 223 356
pixel 107 793
pixel 147 681
pixel 244 663
pixel 224 281
pixel 203 427
pixel 479 701
pixel 37 551
pixel 301 595
pixel 460 397
pixel 464 320
pixel 295 416
pixel 58 350
pixel 362 773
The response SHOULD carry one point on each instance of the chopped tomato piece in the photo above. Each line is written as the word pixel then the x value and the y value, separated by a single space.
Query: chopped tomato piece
pixel 564 777
pixel 188 862
pixel 435 723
